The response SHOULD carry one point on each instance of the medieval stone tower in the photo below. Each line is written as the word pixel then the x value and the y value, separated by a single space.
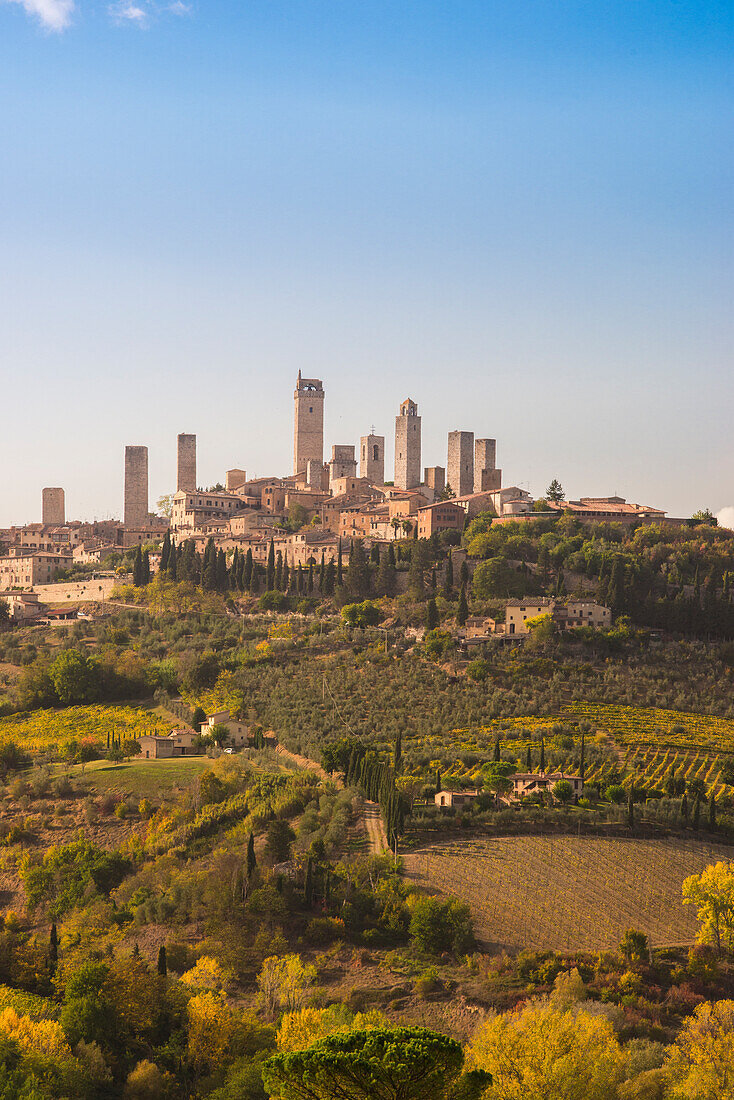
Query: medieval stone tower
pixel 460 464
pixel 407 446
pixel 372 458
pixel 186 463
pixel 53 507
pixel 486 475
pixel 308 427
pixel 136 487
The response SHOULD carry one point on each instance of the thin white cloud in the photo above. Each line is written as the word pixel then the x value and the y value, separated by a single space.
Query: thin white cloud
pixel 726 517
pixel 178 7
pixel 127 11
pixel 53 15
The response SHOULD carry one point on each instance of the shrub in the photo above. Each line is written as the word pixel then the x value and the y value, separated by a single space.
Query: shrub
pixel 437 926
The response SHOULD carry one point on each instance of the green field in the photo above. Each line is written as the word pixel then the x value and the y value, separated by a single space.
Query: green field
pixel 141 778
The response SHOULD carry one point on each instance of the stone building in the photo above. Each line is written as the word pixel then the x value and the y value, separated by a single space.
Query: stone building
pixel 442 516
pixel 435 479
pixel 234 479
pixel 407 446
pixel 460 464
pixel 486 475
pixel 186 463
pixel 136 487
pixel 308 429
pixel 25 570
pixel 372 458
pixel 342 463
pixel 189 510
pixel 53 507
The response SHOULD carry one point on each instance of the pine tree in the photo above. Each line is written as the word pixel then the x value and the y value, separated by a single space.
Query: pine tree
pixel 432 618
pixel 448 576
pixel 53 946
pixel 462 612
pixel 162 962
pixel 270 568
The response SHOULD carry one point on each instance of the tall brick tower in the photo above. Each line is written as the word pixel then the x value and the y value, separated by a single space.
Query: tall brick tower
pixel 53 507
pixel 308 426
pixel 186 463
pixel 372 458
pixel 136 487
pixel 460 465
pixel 407 446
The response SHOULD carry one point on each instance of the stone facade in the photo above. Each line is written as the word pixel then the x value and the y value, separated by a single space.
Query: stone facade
pixel 372 458
pixel 460 464
pixel 342 463
pixel 308 429
pixel 485 459
pixel 234 479
pixel 407 446
pixel 136 487
pixel 26 570
pixel 53 507
pixel 435 478
pixel 186 463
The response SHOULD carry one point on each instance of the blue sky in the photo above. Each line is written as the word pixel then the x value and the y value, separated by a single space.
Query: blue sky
pixel 517 213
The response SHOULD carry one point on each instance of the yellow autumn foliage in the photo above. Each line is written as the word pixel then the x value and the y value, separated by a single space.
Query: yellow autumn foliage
pixel 39 1038
pixel 207 974
pixel 211 1023
pixel 305 1026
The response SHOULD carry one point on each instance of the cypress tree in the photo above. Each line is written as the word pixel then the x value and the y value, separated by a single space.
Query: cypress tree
pixel 251 860
pixel 529 760
pixel 448 576
pixel 310 578
pixel 208 567
pixel 145 568
pixel 358 574
pixel 631 807
pixel 684 807
pixel 241 571
pixel 464 573
pixel 433 580
pixel 308 887
pixel 330 579
pixel 712 812
pixel 136 951
pixel 386 574
pixel 322 573
pixel 221 575
pixel 247 575
pixel 416 580
pixel 286 575
pixel 165 551
pixel 696 812
pixel 299 580
pixel 542 754
pixel 497 754
pixel 270 568
pixel 137 567
pixel 375 553
pixel 173 562
pixel 398 755
pixel 582 765
pixel 462 612
pixel 339 566
pixel 234 569
pixel 432 619
pixel 279 571
pixel 162 963
pixel 438 780
pixel 53 946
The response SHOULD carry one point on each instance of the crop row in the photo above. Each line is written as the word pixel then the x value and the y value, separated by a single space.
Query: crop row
pixel 42 730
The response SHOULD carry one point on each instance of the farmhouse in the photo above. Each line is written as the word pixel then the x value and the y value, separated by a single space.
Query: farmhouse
pixel 453 799
pixel 238 734
pixel 529 783
pixel 177 743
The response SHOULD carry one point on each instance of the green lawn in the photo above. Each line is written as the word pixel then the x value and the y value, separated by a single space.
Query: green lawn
pixel 144 777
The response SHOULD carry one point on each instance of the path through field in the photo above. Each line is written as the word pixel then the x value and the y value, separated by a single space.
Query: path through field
pixel 375 828
pixel 566 892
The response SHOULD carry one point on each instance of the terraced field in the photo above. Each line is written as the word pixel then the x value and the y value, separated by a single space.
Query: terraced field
pixel 568 893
